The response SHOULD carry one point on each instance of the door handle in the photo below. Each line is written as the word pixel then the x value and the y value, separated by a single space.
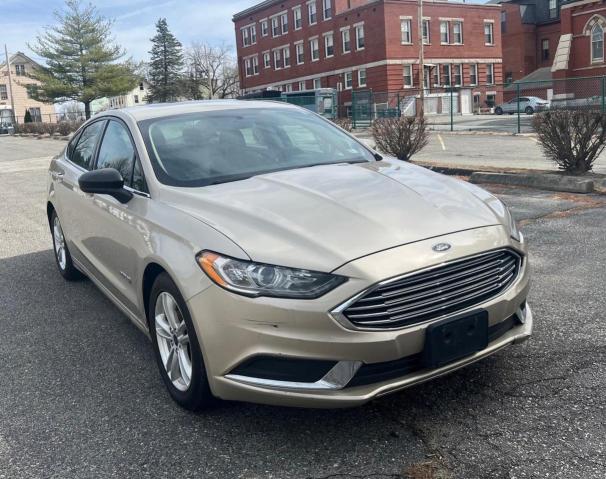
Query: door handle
pixel 57 175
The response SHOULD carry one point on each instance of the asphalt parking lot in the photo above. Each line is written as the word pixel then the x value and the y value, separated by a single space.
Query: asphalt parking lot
pixel 80 395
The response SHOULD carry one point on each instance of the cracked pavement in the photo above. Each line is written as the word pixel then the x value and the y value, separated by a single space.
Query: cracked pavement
pixel 80 395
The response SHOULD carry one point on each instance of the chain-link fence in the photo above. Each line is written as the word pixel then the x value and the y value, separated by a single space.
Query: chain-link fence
pixel 506 108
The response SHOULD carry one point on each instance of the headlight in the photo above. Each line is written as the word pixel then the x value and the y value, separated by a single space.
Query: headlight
pixel 513 226
pixel 257 279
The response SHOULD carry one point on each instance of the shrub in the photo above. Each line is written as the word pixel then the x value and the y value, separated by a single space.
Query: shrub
pixel 401 137
pixel 573 139
pixel 344 123
pixel 37 128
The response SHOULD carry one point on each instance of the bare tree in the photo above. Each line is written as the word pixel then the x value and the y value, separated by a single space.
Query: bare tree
pixel 212 72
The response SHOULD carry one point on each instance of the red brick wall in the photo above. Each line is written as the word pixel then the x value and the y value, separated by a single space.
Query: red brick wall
pixel 371 15
pixel 383 42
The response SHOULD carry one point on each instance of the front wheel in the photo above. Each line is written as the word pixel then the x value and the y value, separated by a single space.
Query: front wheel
pixel 177 349
pixel 498 110
pixel 63 257
pixel 529 110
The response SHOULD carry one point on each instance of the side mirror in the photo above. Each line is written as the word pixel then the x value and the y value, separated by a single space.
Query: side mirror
pixel 106 181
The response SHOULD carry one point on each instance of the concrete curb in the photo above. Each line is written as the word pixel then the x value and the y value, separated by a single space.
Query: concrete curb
pixel 551 182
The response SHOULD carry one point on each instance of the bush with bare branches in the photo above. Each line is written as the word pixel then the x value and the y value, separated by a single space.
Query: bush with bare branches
pixel 344 123
pixel 573 139
pixel 401 137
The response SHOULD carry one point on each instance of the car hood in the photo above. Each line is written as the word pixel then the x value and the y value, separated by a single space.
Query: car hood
pixel 322 217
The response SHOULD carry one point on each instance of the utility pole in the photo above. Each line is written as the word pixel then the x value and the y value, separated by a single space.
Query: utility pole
pixel 10 86
pixel 421 60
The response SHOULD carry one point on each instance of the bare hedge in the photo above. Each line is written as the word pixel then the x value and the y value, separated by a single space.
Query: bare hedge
pixel 573 139
pixel 344 123
pixel 63 128
pixel 400 137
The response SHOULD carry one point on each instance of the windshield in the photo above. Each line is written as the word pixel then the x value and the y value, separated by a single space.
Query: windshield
pixel 232 144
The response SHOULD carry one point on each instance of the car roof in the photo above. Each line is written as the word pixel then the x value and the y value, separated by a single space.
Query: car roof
pixel 159 110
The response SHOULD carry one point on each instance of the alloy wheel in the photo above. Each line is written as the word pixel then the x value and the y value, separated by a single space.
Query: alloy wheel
pixel 59 244
pixel 173 341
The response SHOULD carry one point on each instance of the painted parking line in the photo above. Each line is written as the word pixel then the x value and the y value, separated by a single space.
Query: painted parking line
pixel 441 142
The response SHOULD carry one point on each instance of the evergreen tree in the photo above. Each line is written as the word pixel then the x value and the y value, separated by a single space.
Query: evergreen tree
pixel 82 61
pixel 166 63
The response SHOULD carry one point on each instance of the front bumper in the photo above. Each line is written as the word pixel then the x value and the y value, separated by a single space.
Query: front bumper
pixel 232 329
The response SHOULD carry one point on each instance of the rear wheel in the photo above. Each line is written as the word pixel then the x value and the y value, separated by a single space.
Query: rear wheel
pixel 62 255
pixel 529 110
pixel 177 349
pixel 498 110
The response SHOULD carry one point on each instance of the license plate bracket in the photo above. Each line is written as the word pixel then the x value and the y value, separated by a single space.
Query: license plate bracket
pixel 454 338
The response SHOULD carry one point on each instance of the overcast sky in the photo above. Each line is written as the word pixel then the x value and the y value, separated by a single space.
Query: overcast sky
pixel 189 20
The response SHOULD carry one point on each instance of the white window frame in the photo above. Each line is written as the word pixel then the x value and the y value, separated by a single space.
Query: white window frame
pixel 245 37
pixel 314 42
pixel 360 82
pixel 346 31
pixel 457 67
pixel 447 67
pixel 490 68
pixel 248 67
pixel 447 23
pixel 473 67
pixel 286 56
pixel 312 11
pixel 302 85
pixel 326 45
pixel 275 26
pixel 300 52
pixel 264 27
pixel 458 23
pixel 266 59
pixel 406 31
pixel 407 73
pixel 288 87
pixel 327 7
pixel 278 59
pixel 255 65
pixel 553 8
pixel 317 83
pixel 426 39
pixel 488 33
pixel 437 75
pixel 360 28
pixel 284 23
pixel 348 78
pixel 297 11
pixel 596 41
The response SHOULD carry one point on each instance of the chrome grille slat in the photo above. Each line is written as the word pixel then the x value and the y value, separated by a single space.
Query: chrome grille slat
pixel 443 278
pixel 433 292
pixel 436 292
pixel 445 269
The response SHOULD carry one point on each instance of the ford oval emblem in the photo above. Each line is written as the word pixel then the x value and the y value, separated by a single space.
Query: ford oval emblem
pixel 441 247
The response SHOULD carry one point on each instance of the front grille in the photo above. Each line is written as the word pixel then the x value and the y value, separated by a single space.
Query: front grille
pixel 436 292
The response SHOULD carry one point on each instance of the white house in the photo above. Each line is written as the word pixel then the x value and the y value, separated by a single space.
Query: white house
pixel 137 96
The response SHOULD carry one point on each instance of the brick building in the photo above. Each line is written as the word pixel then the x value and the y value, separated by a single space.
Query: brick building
pixel 530 34
pixel 369 44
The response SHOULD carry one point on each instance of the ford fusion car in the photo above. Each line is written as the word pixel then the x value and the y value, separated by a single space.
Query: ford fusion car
pixel 271 257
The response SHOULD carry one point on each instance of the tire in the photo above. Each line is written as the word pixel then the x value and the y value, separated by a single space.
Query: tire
pixel 188 386
pixel 529 110
pixel 498 110
pixel 63 258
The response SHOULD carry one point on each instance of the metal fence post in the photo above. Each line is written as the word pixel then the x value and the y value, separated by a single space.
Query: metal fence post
pixel 353 109
pixel 451 112
pixel 398 100
pixel 518 108
pixel 603 93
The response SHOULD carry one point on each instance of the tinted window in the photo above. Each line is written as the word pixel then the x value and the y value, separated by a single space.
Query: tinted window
pixel 218 146
pixel 117 151
pixel 138 178
pixel 87 142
